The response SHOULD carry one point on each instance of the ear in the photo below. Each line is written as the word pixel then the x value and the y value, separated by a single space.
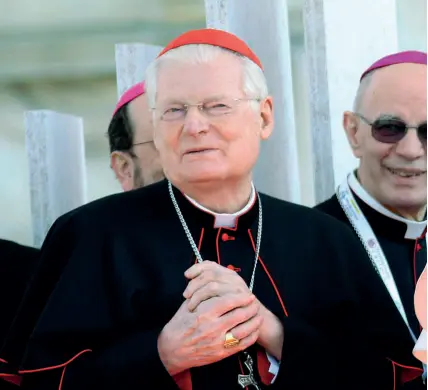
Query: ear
pixel 267 118
pixel 123 167
pixel 350 125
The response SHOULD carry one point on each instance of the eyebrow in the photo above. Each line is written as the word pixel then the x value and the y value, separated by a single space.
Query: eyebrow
pixel 172 101
pixel 389 116
pixel 216 97
pixel 209 99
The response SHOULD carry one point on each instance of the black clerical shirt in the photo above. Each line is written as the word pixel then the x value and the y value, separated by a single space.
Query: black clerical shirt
pixel 404 245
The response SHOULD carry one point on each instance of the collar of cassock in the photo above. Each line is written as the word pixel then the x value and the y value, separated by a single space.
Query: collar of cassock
pixel 382 220
pixel 229 220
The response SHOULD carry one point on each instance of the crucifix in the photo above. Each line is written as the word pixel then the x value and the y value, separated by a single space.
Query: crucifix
pixel 248 380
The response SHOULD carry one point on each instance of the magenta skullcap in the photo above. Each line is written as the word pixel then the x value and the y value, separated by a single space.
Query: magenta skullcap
pixel 403 57
pixel 129 95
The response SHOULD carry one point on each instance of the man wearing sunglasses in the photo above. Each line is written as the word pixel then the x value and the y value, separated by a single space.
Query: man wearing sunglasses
pixel 385 199
pixel 134 158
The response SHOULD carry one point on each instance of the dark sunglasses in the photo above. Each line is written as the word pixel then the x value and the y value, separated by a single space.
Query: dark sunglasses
pixel 393 130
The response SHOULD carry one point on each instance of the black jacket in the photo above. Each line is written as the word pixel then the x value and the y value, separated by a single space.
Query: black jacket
pixel 407 259
pixel 17 263
pixel 112 275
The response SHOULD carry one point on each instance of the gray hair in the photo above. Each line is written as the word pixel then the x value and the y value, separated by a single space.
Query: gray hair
pixel 361 91
pixel 254 80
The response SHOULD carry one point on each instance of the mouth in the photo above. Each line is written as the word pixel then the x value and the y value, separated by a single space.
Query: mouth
pixel 199 151
pixel 406 173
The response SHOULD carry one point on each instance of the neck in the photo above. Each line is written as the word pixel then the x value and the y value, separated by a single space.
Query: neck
pixel 416 214
pixel 411 213
pixel 221 198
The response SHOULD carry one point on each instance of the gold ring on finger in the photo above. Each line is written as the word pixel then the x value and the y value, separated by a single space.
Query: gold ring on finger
pixel 230 340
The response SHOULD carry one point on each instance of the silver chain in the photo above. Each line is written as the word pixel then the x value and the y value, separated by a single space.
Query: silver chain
pixel 192 241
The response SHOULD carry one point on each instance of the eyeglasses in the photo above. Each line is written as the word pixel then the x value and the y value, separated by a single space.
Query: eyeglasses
pixel 393 130
pixel 131 150
pixel 212 108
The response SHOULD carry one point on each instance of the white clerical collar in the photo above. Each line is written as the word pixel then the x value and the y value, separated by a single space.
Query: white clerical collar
pixel 226 220
pixel 414 230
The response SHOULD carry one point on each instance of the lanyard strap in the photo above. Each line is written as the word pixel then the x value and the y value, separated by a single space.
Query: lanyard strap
pixel 372 246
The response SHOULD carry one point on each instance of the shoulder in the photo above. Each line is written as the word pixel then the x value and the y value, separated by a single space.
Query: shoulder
pixel 332 207
pixel 312 221
pixel 84 238
pixel 16 260
pixel 316 235
pixel 119 208
pixel 14 250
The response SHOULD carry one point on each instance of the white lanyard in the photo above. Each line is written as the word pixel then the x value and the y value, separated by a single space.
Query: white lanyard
pixel 372 246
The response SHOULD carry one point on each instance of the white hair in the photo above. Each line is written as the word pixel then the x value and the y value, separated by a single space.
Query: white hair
pixel 254 81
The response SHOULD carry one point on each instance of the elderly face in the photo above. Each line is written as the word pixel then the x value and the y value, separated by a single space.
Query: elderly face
pixel 219 143
pixel 395 174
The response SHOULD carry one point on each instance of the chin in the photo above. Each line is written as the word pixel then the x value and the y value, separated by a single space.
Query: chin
pixel 204 172
pixel 204 177
pixel 406 200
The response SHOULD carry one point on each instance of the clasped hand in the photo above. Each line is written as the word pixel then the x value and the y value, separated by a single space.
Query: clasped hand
pixel 217 301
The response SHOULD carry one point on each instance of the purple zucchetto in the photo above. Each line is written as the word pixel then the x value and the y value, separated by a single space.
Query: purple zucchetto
pixel 403 57
pixel 129 95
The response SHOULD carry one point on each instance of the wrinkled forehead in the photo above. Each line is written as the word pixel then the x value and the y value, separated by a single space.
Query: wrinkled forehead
pixel 399 90
pixel 197 81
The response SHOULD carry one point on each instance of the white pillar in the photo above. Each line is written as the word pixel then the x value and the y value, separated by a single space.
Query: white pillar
pixel 131 62
pixel 216 14
pixel 56 157
pixel 342 39
pixel 412 24
pixel 264 26
pixel 303 135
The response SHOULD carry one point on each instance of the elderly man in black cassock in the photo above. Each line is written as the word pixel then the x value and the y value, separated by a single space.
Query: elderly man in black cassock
pixel 385 199
pixel 200 281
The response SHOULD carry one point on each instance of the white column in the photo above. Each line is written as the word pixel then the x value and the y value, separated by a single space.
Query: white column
pixel 131 62
pixel 412 24
pixel 264 26
pixel 56 157
pixel 303 135
pixel 216 14
pixel 342 39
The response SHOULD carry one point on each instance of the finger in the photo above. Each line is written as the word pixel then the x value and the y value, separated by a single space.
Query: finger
pixel 216 307
pixel 246 328
pixel 219 274
pixel 240 314
pixel 248 341
pixel 197 269
pixel 209 290
pixel 198 282
pixel 245 343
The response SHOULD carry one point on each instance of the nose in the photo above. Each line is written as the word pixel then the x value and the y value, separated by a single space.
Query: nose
pixel 410 147
pixel 195 122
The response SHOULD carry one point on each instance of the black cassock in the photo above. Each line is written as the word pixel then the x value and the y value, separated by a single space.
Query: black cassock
pixel 404 245
pixel 112 275
pixel 17 263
